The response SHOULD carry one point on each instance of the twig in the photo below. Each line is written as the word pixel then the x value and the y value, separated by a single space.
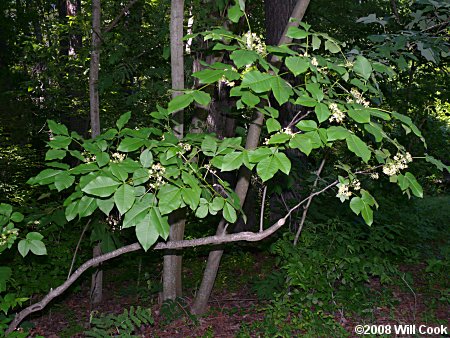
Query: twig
pixel 77 247
pixel 305 210
pixel 415 298
pixel 261 217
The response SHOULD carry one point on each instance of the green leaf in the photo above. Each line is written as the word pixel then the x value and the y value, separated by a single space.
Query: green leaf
pixel 180 102
pixel 375 130
pixel 356 145
pixel 362 67
pixel 315 90
pixel 191 197
pixel 208 76
pixel 57 129
pixel 124 198
pixel 46 176
pixel 217 204
pixel 146 158
pixel 337 133
pixel 359 115
pixel 102 186
pixel 130 144
pixel 102 159
pixel 259 154
pixel 279 138
pixel 23 247
pixel 37 247
pixel 72 210
pixel 307 125
pixel 34 236
pixel 297 64
pixel 118 171
pixel 273 125
pixel 358 205
pixel 257 81
pixel 316 42
pixel 202 210
pixel 53 154
pixel 281 90
pixel 63 181
pixel 5 209
pixel 232 161
pixel 439 165
pixel 16 217
pixel 123 120
pixel 332 46
pixel 322 112
pixel 169 198
pixel 138 211
pixel 284 164
pixel 229 213
pixel 268 167
pixel 296 33
pixel 86 206
pixel 209 145
pixel 250 99
pixel 235 13
pixel 306 100
pixel 105 205
pixel 201 98
pixel 415 187
pixel 146 232
pixel 140 176
pixel 160 223
pixel 242 58
pixel 302 142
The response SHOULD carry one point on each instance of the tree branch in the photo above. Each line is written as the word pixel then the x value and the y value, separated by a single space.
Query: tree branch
pixel 305 210
pixel 119 16
pixel 214 240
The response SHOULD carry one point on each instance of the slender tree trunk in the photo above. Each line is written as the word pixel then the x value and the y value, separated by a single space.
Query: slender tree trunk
pixel 212 265
pixel 172 268
pixel 97 276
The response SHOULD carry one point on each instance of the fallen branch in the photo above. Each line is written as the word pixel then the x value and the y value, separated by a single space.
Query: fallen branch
pixel 210 240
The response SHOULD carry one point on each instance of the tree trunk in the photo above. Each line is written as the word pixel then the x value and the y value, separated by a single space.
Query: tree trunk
pixel 277 16
pixel 172 268
pixel 71 42
pixel 297 11
pixel 97 276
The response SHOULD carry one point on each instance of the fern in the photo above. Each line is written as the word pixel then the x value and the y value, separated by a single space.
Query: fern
pixel 124 324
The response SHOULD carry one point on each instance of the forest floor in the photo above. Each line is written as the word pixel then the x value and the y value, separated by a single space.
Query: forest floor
pixel 234 304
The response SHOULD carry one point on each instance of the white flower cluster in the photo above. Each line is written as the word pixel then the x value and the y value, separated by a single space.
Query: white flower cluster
pixel 185 146
pixel 7 234
pixel 337 114
pixel 288 131
pixel 314 62
pixel 157 173
pixel 344 192
pixel 358 97
pixel 254 42
pixel 113 222
pixel 400 162
pixel 118 157
pixel 225 81
pixel 89 159
pixel 374 176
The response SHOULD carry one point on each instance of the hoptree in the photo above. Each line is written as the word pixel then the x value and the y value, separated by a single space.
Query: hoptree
pixel 135 178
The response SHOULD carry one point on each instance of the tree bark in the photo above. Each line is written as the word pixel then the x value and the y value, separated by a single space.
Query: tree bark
pixel 172 266
pixel 212 265
pixel 97 276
